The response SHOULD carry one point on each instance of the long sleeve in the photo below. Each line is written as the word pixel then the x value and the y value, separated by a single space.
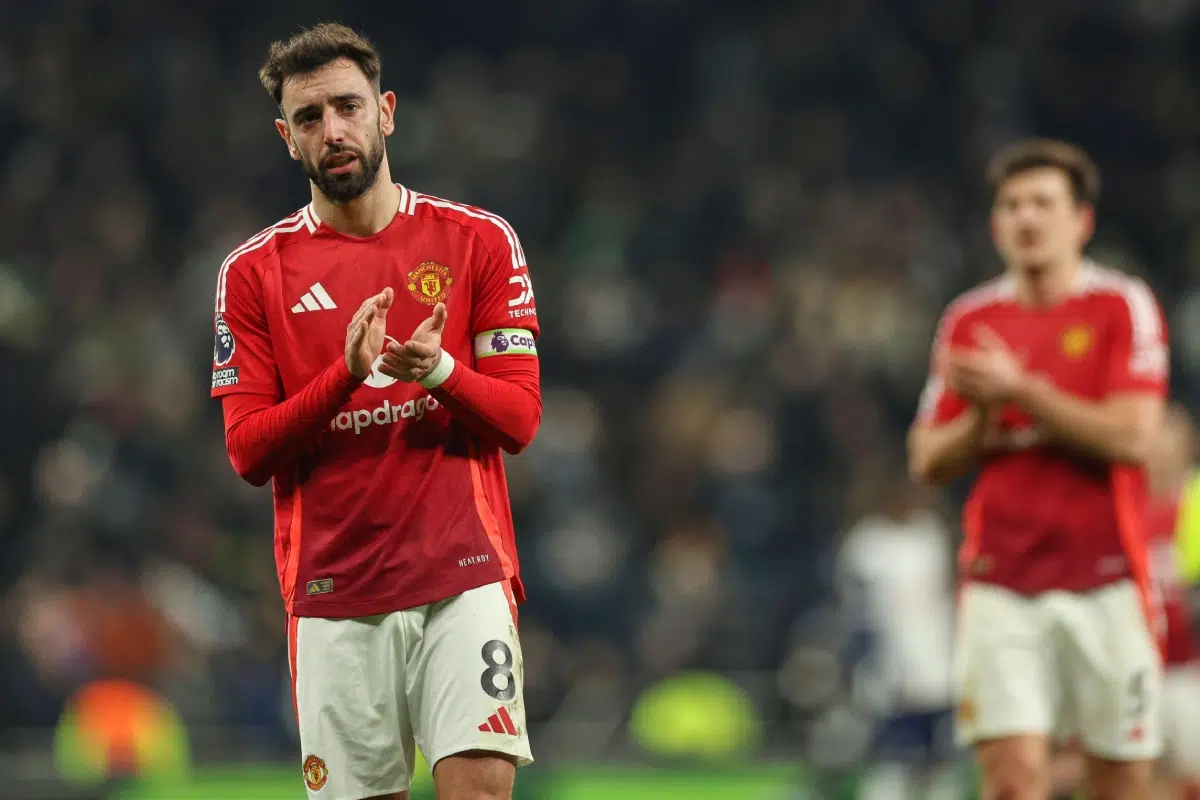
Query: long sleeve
pixel 501 402
pixel 263 437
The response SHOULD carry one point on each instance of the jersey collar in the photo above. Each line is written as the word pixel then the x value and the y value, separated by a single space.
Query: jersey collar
pixel 408 201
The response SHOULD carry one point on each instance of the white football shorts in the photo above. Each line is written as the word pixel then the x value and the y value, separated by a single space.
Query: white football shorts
pixel 445 677
pixel 1062 664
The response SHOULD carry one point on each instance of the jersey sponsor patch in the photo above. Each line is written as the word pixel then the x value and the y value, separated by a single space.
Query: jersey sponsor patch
pixel 521 304
pixel 505 341
pixel 224 377
pixel 322 586
pixel 223 344
pixel 386 414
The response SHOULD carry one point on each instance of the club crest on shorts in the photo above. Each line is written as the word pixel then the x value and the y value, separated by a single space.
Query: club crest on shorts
pixel 315 773
pixel 429 283
pixel 223 344
pixel 966 712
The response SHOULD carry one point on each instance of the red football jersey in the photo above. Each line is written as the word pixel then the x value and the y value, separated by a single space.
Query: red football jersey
pixel 396 505
pixel 1180 641
pixel 1041 517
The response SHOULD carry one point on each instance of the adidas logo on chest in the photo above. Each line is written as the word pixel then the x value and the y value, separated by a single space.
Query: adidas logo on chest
pixel 315 299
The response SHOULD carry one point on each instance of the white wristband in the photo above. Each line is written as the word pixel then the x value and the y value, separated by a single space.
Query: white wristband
pixel 438 375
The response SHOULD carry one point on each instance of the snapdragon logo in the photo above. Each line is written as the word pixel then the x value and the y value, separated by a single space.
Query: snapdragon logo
pixel 385 414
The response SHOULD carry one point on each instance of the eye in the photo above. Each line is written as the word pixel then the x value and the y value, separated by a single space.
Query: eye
pixel 350 107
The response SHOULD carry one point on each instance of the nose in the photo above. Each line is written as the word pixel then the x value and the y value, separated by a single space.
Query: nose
pixel 1026 214
pixel 333 127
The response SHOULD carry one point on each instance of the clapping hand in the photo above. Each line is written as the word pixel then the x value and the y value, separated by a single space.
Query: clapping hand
pixel 365 333
pixel 989 373
pixel 417 357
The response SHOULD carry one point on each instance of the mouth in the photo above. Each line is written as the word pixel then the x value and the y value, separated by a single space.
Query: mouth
pixel 339 163
pixel 1029 238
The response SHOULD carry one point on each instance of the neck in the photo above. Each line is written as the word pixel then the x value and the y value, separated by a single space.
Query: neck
pixel 1049 284
pixel 367 214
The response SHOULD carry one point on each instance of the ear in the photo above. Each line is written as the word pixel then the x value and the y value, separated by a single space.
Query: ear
pixel 387 113
pixel 1087 223
pixel 286 134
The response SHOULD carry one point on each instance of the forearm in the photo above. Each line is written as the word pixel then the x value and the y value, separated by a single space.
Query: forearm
pixel 263 441
pixel 503 407
pixel 1100 429
pixel 937 454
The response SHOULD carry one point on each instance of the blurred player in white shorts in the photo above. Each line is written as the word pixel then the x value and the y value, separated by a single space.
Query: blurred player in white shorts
pixel 1169 467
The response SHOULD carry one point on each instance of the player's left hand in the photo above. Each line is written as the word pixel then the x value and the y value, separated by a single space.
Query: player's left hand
pixel 988 373
pixel 417 357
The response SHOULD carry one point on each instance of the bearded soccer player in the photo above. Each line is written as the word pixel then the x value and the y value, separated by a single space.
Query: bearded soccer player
pixel 1050 381
pixel 375 354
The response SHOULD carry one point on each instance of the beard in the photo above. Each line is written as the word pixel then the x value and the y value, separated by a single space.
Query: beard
pixel 341 189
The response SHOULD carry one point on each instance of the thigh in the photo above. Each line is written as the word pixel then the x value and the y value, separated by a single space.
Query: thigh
pixel 464 679
pixel 1110 779
pixel 1113 667
pixel 475 774
pixel 354 723
pixel 1004 667
pixel 1015 766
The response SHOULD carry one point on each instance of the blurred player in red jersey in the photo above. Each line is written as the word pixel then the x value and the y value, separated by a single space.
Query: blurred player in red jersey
pixel 375 353
pixel 1051 380
pixel 1169 467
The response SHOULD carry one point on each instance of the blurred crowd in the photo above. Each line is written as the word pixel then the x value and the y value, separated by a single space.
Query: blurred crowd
pixel 742 222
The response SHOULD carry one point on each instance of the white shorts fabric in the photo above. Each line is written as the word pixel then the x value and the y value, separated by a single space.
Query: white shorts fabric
pixel 445 677
pixel 1062 664
pixel 1181 720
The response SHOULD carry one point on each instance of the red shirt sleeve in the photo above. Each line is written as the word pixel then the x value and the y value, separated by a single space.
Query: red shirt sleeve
pixel 263 437
pixel 500 400
pixel 939 404
pixel 243 355
pixel 504 291
pixel 1139 357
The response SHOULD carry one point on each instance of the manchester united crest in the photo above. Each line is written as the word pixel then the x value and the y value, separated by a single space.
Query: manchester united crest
pixel 1076 341
pixel 430 283
pixel 315 773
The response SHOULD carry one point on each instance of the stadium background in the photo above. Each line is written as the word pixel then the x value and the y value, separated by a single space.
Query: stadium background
pixel 742 221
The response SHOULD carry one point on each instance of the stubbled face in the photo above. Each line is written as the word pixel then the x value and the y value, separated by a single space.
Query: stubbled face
pixel 335 125
pixel 1036 221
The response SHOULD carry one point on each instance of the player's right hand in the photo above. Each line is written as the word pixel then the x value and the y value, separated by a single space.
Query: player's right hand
pixel 365 333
